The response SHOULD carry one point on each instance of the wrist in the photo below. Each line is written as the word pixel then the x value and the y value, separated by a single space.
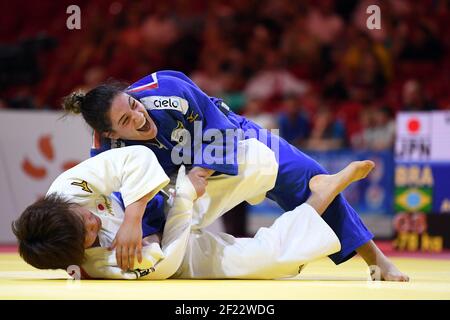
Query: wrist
pixel 132 218
pixel 204 172
pixel 135 211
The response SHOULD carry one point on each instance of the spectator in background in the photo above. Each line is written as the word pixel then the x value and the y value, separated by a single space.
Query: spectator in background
pixel 266 47
pixel 300 50
pixel 159 30
pixel 422 42
pixel 366 67
pixel 260 43
pixel 254 110
pixel 382 135
pixel 209 76
pixel 327 133
pixel 293 121
pixel 233 80
pixel 357 138
pixel 274 81
pixel 93 77
pixel 323 23
pixel 378 130
pixel 414 98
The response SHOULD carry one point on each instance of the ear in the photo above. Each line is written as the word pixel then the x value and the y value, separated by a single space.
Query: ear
pixel 111 135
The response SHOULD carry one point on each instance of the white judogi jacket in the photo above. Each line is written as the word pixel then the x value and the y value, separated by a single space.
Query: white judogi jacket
pixel 134 171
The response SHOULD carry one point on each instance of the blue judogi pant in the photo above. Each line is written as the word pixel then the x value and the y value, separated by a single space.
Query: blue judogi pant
pixel 292 189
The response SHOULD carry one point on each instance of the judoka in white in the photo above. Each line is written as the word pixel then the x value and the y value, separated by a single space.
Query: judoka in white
pixel 187 250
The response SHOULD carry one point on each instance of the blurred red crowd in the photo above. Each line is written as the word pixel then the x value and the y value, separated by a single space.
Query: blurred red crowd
pixel 311 68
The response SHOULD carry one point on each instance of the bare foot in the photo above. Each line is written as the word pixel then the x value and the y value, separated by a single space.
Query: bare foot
pixel 381 268
pixel 329 186
pixel 387 271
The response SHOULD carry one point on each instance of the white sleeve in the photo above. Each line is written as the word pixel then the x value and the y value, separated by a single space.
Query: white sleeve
pixel 177 229
pixel 157 263
pixel 134 171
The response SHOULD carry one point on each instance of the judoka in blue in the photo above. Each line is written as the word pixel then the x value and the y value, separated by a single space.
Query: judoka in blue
pixel 185 115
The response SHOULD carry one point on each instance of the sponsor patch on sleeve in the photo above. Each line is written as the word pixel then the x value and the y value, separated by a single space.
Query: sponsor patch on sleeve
pixel 167 103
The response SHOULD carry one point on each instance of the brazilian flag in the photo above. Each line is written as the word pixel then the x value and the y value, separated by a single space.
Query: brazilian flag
pixel 413 199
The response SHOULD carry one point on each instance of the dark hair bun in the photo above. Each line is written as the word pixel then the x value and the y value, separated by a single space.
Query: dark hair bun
pixel 72 103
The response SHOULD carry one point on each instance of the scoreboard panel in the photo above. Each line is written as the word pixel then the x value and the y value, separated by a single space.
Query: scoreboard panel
pixel 422 181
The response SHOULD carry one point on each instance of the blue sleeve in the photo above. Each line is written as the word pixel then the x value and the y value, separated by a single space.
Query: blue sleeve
pixel 218 147
pixel 154 219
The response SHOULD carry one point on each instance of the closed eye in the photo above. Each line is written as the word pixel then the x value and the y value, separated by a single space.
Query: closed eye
pixel 132 103
pixel 125 122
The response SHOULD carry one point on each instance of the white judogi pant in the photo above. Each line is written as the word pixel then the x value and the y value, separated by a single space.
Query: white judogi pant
pixel 296 238
pixel 188 251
